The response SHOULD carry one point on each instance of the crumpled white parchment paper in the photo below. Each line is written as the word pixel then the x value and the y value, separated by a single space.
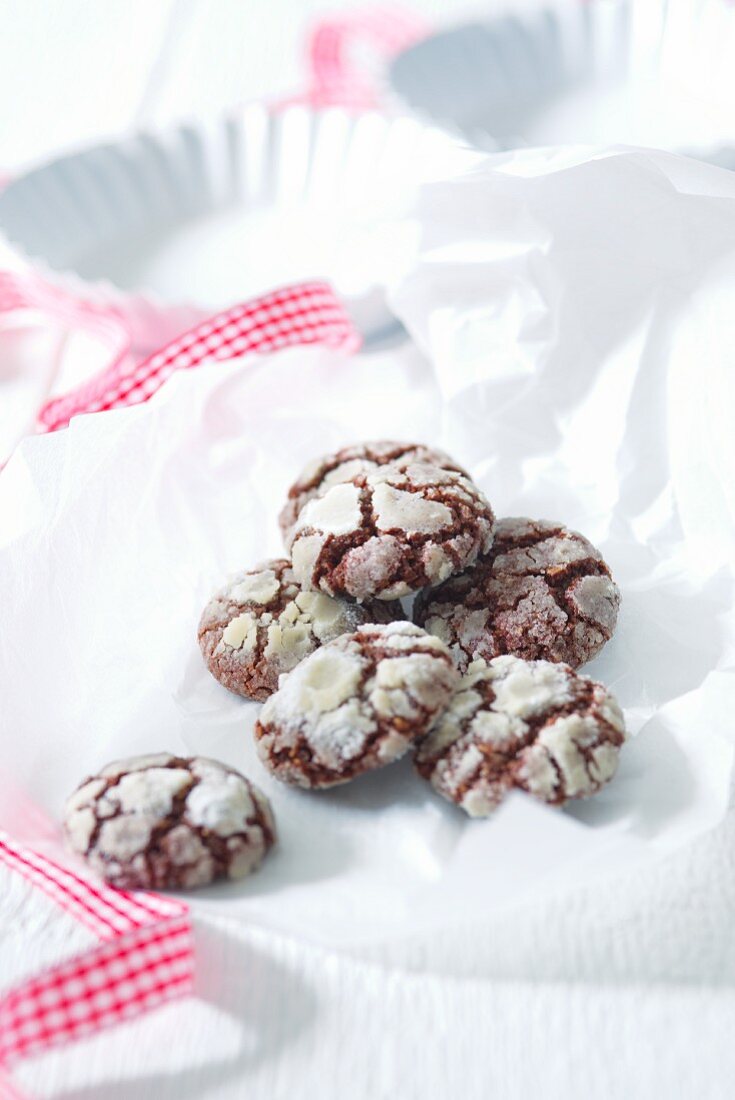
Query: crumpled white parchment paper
pixel 576 312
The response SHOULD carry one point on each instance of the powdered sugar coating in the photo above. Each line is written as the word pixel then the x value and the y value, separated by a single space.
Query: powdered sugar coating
pixel 161 822
pixel 389 531
pixel 355 704
pixel 261 624
pixel 534 726
pixel 543 592
pixel 342 465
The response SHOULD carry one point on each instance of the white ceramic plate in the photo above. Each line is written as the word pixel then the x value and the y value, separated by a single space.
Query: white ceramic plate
pixel 173 225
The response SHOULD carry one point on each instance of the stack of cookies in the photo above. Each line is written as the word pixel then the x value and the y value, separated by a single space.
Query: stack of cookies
pixel 473 672
pixel 481 685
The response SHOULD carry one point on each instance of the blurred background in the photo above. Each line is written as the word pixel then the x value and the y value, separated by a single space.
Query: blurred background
pixel 166 230
pixel 74 71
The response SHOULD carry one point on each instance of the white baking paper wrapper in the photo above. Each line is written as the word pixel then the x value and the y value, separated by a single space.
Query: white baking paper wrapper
pixel 577 314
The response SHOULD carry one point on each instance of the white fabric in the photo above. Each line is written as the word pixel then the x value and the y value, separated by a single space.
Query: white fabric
pixel 624 991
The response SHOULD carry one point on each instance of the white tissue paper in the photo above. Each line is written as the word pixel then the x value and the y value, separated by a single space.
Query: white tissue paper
pixel 575 313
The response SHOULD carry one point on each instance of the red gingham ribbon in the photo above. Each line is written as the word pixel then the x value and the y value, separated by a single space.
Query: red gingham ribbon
pixel 145 957
pixel 335 79
pixel 306 313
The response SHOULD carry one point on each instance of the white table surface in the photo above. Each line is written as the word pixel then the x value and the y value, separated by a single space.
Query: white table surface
pixel 623 989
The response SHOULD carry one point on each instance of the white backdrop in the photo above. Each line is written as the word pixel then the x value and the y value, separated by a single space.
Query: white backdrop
pixel 74 70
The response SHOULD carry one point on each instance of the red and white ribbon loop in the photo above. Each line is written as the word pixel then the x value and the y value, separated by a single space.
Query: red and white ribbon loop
pixel 145 957
pixel 336 77
pixel 303 314
pixel 307 313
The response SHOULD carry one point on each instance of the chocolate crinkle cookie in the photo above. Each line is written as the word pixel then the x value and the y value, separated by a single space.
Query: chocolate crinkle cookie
pixel 342 465
pixel 262 624
pixel 543 592
pixel 355 704
pixel 390 531
pixel 162 822
pixel 530 725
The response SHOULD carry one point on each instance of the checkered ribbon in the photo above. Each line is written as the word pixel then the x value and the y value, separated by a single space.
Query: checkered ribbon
pixel 306 313
pixel 335 77
pixel 145 957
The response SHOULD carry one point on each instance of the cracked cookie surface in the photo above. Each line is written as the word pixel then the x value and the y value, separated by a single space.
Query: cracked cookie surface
pixel 356 704
pixel 543 593
pixel 342 465
pixel 261 624
pixel 533 726
pixel 162 822
pixel 390 531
